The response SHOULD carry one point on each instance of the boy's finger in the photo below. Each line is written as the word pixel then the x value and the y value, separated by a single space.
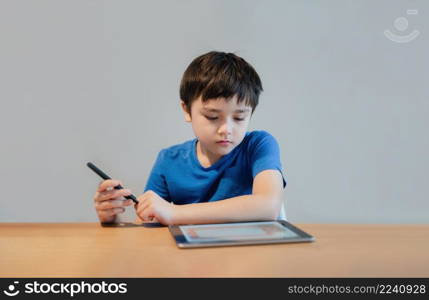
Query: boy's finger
pixel 111 212
pixel 128 202
pixel 141 198
pixel 109 195
pixel 111 204
pixel 109 183
pixel 147 215
pixel 142 206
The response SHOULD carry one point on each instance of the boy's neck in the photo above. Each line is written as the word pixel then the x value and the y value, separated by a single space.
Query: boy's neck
pixel 205 158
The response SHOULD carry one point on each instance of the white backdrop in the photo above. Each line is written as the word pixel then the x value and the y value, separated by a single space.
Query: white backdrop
pixel 99 81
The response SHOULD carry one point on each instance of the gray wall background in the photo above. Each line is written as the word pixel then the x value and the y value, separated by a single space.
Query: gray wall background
pixel 98 81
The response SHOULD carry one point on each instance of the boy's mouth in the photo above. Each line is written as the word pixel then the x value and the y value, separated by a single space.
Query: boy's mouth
pixel 223 142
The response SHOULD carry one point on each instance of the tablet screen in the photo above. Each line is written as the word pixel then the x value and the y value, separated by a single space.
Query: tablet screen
pixel 236 232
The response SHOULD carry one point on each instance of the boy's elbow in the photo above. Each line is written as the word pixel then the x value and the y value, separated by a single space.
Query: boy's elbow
pixel 273 206
pixel 275 212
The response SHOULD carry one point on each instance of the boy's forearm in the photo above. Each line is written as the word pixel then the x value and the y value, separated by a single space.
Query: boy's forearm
pixel 236 209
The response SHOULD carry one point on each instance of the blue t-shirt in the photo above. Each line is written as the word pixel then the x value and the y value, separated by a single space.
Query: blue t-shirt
pixel 177 175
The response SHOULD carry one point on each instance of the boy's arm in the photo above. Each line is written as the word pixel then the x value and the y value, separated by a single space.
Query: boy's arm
pixel 156 180
pixel 264 204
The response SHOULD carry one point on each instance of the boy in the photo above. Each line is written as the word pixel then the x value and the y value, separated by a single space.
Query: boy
pixel 226 174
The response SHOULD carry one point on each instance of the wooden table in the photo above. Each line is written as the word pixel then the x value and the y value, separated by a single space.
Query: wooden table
pixel 89 250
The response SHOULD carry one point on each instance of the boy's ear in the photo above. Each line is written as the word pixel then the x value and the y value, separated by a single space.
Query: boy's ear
pixel 185 111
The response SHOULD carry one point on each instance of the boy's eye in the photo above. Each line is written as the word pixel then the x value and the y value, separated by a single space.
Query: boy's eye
pixel 215 118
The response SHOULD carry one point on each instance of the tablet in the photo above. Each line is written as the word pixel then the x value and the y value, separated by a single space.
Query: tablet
pixel 241 233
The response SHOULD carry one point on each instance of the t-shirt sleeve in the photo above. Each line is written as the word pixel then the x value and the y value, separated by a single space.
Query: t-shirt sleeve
pixel 265 155
pixel 157 181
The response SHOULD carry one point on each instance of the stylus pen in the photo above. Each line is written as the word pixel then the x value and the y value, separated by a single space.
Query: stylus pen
pixel 105 177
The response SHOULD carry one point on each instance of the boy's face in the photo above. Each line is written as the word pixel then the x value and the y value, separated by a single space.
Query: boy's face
pixel 218 120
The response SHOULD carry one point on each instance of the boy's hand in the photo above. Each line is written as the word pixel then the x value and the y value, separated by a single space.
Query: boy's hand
pixel 109 202
pixel 151 206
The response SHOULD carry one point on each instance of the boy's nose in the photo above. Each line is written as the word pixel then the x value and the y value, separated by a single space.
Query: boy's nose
pixel 225 129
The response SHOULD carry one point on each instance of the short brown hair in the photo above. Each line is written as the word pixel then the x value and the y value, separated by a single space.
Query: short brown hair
pixel 219 74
